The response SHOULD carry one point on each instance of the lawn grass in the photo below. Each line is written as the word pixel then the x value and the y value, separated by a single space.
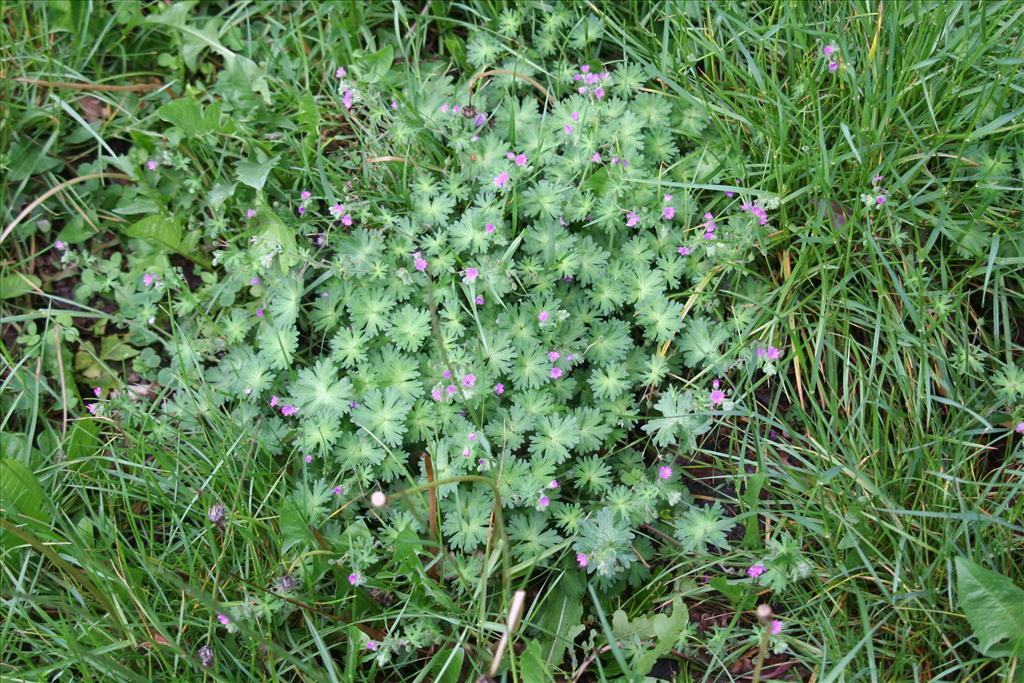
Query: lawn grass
pixel 885 449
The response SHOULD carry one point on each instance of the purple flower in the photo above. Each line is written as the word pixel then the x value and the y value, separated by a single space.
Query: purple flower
pixel 632 219
pixel 216 513
pixel 553 484
pixel 543 502
pixel 1020 427
pixel 249 213
pixel 92 407
pixel 832 67
pixel 288 410
pixel 755 571
pixel 346 100
pixel 556 372
pixel 419 262
pixel 773 353
pixel 444 108
pixel 308 459
pixel 450 389
pixel 447 374
pixel 435 393
pixel 340 73
pixel 394 104
pixel 520 159
pixel 599 93
pixel 259 312
pixel 305 195
pixel 470 275
pixel 479 300
pixel 829 50
pixel 353 579
pixel 337 490
pixel 223 619
pixel 469 381
pixel 148 279
pixel 499 389
pixel 880 199
pixel 480 120
pixel 338 209
pixel 684 251
pixel 596 158
pixel 151 165
pixel 575 116
pixel 59 246
pixel 97 392
pixel 717 396
pixel 543 316
pixel 667 198
pixel 274 400
pixel 471 436
pixel 581 559
pixel 501 179
pixel 664 472
pixel 372 645
pixel 255 281
pixel 776 627
pixel 568 129
pixel 553 356
pixel 877 179
pixel 302 210
pixel 205 655
pixel 668 213
pixel 489 228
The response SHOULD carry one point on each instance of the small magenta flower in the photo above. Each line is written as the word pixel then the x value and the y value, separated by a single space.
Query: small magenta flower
pixel 435 393
pixel 353 579
pixel 684 251
pixel 394 104
pixel 470 275
pixel 471 436
pixel 499 389
pixel 665 472
pixel 469 381
pixel 479 300
pixel 1020 427
pixel 447 374
pixel 543 502
pixel 599 93
pixel 92 407
pixel 543 316
pixel 346 220
pixel 148 279
pixel 877 179
pixel 456 109
pixel 717 396
pixel 756 570
pixel 308 459
pixel 829 50
pixel 667 198
pixel 419 262
pixel 444 108
pixel 553 356
pixel 337 490
pixel 288 410
pixel 553 484
pixel 340 73
pixel 216 513
pixel 338 209
pixel 59 246
pixel 97 392
pixel 259 312
pixel 833 67
pixel 302 210
pixel 223 619
pixel 305 195
pixel 450 389
pixel 773 353
pixel 151 165
pixel 880 199
pixel 776 627
pixel 581 559
pixel 596 158
pixel 520 159
pixel 510 155
pixel 501 179
pixel 480 120
pixel 346 100
pixel 668 213
pixel 249 213
pixel 584 68
pixel 255 281
pixel 372 645
pixel 274 400
pixel 466 452
pixel 556 372
pixel 489 228
pixel 632 219
pixel 568 129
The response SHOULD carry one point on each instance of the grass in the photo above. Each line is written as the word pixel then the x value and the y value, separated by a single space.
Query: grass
pixel 886 451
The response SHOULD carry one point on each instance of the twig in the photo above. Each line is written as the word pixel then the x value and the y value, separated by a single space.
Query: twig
pixel 54 190
pixel 142 87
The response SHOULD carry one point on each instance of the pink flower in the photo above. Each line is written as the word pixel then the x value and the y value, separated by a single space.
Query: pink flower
pixel 444 108
pixel 340 73
pixel 556 373
pixel 151 165
pixel 879 200
pixel 470 274
pixel 302 210
pixel 543 316
pixel 543 502
pixel 480 120
pixel 305 195
pixel 717 397
pixel 828 50
pixel 255 281
pixel 501 179
pixel 575 116
pixel 469 381
pixel 148 279
pixel 489 228
pixel 447 374
pixel 288 410
pixel 420 263
pixel 520 159
pixel 585 68
pixel 59 246
pixel 394 104
pixel 755 571
pixel 435 393
pixel 581 559
pixel 346 100
pixel 353 579
pixel 665 472
pixel 553 356
pixel 568 129
pixel 684 251
pixel 456 109
pixel 308 459
pixel 479 300
pixel 668 213
pixel 471 436
pixel 223 619
pixel 337 490
pixel 832 67
pixel 596 158
pixel 1020 427
pixel 249 213
pixel 259 312
pixel 553 484
pixel 466 452
pixel 773 353
pixel 632 219
pixel 450 389
pixel 274 400
pixel 499 389
pixel 92 408
pixel 776 627
pixel 599 93
pixel 372 645
pixel 338 209
pixel 97 392
pixel 877 179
